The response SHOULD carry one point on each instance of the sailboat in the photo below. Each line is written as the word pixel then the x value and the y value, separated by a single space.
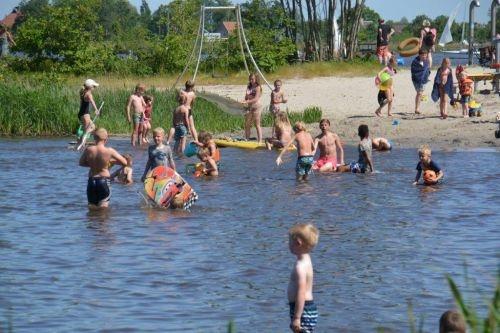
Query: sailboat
pixel 446 36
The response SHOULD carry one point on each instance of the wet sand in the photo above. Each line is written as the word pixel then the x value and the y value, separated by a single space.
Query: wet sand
pixel 349 102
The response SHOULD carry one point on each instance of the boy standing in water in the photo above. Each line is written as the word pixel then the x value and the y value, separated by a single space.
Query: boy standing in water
pixel 98 158
pixel 158 153
pixel 305 151
pixel 328 144
pixel 137 104
pixel 180 122
pixel 365 161
pixel 303 313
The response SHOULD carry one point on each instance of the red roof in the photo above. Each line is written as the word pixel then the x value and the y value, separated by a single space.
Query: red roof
pixel 230 26
pixel 9 20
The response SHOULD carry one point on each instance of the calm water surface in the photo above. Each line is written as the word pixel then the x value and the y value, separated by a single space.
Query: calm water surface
pixel 383 243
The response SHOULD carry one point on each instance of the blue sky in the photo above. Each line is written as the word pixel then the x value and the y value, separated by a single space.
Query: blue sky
pixel 389 9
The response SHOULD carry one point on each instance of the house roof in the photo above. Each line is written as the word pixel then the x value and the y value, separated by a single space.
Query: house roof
pixel 10 19
pixel 229 25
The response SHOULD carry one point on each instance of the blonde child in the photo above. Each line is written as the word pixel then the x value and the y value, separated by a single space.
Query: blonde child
pixel 158 153
pixel 253 107
pixel 277 97
pixel 425 163
pixel 443 85
pixel 209 165
pixel 146 122
pixel 466 88
pixel 206 142
pixel 381 144
pixel 302 239
pixel 136 104
pixel 305 151
pixel 86 100
pixel 386 95
pixel 124 173
pixel 282 132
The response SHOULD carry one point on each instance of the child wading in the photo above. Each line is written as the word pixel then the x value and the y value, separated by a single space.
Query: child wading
pixel 303 313
pixel 158 153
pixel 86 99
pixel 425 163
pixel 365 162
pixel 282 132
pixel 329 145
pixel 305 151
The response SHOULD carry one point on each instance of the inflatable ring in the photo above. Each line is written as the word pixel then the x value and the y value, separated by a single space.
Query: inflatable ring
pixel 404 49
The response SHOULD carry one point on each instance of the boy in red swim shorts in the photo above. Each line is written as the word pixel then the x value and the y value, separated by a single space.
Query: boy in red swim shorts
pixel 329 146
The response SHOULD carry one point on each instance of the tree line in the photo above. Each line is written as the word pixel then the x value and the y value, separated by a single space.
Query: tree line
pixel 102 36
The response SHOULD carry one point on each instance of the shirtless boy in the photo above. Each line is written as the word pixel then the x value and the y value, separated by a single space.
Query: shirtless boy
pixel 381 144
pixel 190 96
pixel 329 144
pixel 303 312
pixel 277 97
pixel 305 151
pixel 180 122
pixel 137 104
pixel 98 158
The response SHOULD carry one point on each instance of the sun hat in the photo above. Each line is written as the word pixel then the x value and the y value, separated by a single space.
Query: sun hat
pixel 89 83
pixel 426 23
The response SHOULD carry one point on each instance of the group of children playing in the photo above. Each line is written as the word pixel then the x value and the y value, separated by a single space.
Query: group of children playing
pixel 303 237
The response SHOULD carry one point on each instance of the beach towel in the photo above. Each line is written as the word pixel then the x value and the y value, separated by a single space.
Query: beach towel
pixel 420 74
pixel 448 87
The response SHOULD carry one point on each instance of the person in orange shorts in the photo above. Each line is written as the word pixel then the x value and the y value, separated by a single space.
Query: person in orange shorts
pixel 384 33
pixel 329 146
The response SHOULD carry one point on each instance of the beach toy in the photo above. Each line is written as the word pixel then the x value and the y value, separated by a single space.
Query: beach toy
pixel 198 170
pixel 400 61
pixel 395 122
pixel 191 149
pixel 424 98
pixel 429 177
pixel 409 47
pixel 385 85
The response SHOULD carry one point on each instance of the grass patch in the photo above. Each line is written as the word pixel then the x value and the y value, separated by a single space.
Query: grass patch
pixel 48 106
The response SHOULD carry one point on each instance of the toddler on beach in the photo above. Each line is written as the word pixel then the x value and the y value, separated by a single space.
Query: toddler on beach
pixel 466 89
pixel 425 163
pixel 136 104
pixel 305 151
pixel 158 153
pixel 303 313
pixel 329 145
pixel 365 161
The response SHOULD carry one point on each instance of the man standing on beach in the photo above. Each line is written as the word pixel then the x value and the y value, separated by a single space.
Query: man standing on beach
pixel 383 36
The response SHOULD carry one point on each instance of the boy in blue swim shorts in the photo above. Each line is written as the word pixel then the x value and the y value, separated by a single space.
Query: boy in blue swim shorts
pixel 180 123
pixel 305 151
pixel 302 238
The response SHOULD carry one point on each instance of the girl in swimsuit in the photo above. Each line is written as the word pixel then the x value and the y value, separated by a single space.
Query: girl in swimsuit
pixel 282 131
pixel 86 99
pixel 254 107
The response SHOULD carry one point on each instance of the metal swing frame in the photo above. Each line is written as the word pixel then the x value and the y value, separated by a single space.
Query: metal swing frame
pixel 198 44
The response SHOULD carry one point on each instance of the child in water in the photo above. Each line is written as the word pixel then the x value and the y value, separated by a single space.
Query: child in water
pixel 208 164
pixel 425 163
pixel 329 145
pixel 158 153
pixel 381 144
pixel 305 151
pixel 146 121
pixel 206 142
pixel 282 132
pixel 124 174
pixel 180 122
pixel 365 161
pixel 303 312
pixel 452 322
pixel 386 90
pixel 136 103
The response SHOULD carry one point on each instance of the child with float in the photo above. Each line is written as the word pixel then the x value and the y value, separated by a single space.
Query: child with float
pixel 432 173
pixel 465 88
pixel 385 84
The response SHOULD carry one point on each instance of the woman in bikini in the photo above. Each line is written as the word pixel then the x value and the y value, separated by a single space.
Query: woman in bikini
pixel 254 107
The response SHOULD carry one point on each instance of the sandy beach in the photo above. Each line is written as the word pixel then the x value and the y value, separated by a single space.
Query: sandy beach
pixel 349 102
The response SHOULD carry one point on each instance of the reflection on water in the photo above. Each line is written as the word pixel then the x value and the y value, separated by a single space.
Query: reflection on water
pixel 383 242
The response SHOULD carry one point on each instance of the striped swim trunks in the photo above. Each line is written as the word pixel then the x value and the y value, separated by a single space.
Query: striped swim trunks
pixel 309 317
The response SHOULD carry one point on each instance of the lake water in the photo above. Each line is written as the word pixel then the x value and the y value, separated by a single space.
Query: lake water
pixel 383 242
